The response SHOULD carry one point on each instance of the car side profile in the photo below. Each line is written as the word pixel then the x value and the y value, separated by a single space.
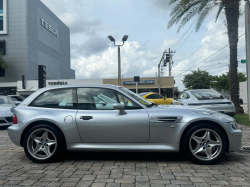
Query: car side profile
pixel 156 98
pixel 55 119
pixel 207 98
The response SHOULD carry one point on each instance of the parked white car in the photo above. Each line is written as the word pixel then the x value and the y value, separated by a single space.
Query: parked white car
pixel 6 116
pixel 206 98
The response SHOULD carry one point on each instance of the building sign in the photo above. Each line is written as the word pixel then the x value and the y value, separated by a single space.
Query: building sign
pixel 57 83
pixel 141 82
pixel 47 26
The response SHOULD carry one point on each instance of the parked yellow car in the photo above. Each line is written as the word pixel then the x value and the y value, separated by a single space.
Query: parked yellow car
pixel 156 98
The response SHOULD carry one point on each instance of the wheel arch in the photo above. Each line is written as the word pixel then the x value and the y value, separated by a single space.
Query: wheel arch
pixel 35 123
pixel 202 122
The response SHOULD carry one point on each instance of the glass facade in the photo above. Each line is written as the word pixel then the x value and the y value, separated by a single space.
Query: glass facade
pixel 8 91
pixel 1 23
pixel 3 16
pixel 1 6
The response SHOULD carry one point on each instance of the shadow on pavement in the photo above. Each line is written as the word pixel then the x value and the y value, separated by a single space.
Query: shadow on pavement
pixel 128 156
pixel 4 127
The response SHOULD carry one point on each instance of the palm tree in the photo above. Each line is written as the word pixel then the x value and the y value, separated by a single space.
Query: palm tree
pixel 3 65
pixel 184 10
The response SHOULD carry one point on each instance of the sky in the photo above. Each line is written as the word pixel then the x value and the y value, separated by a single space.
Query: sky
pixel 94 56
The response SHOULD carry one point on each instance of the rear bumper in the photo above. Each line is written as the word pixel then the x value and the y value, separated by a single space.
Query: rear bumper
pixel 5 122
pixel 14 132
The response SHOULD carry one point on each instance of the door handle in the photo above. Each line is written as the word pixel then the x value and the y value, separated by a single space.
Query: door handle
pixel 86 117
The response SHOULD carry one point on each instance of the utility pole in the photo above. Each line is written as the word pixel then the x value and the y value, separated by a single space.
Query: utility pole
pixel 247 27
pixel 170 62
pixel 159 71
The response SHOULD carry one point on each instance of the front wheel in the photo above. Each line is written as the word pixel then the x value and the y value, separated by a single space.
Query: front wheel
pixel 205 144
pixel 44 143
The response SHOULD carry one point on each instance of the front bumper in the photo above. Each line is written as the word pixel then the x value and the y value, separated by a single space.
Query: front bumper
pixel 15 132
pixel 235 139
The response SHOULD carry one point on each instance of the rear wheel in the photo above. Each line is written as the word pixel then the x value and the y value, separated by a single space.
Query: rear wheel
pixel 44 143
pixel 205 144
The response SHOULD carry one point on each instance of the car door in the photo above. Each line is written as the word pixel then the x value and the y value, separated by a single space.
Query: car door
pixel 106 125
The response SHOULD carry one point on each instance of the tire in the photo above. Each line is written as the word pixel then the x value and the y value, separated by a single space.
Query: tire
pixel 41 151
pixel 203 147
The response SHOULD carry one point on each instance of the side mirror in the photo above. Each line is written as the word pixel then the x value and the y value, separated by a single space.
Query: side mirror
pixel 120 107
pixel 164 98
pixel 103 103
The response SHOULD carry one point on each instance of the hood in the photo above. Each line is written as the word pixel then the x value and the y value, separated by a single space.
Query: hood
pixel 194 111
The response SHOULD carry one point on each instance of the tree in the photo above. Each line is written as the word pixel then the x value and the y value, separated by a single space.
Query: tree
pixel 185 10
pixel 197 80
pixel 222 82
pixel 3 65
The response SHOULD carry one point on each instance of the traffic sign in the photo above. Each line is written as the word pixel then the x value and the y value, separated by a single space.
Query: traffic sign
pixel 243 61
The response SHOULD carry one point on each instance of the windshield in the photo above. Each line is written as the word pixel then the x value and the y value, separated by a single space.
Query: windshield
pixel 4 100
pixel 207 94
pixel 135 96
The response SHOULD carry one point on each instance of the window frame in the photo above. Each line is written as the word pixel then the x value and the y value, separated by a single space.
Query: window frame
pixel 128 98
pixel 116 95
pixel 4 14
pixel 74 97
pixel 94 88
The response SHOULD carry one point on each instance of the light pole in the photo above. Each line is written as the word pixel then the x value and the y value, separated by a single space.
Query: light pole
pixel 124 39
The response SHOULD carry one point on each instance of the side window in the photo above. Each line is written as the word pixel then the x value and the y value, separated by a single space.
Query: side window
pixel 58 98
pixel 128 103
pixel 96 99
pixel 187 96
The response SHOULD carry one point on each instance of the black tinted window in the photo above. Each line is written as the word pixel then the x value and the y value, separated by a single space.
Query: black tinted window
pixel 59 98
pixel 96 99
pixel 16 98
pixel 154 96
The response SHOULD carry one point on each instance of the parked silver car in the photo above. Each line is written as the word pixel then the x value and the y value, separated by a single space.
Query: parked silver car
pixel 206 98
pixel 17 99
pixel 54 119
pixel 6 116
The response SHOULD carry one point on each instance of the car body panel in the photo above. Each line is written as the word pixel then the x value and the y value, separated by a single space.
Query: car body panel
pixel 148 128
pixel 107 126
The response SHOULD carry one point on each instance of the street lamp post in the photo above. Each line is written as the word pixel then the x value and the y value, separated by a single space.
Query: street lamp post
pixel 124 39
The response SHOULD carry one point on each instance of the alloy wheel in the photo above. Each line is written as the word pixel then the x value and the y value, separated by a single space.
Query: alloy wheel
pixel 205 144
pixel 42 144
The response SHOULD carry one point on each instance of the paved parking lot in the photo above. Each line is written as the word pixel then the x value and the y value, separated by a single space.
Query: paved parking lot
pixel 121 169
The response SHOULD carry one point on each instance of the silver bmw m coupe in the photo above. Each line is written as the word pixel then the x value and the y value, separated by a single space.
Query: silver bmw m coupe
pixel 112 118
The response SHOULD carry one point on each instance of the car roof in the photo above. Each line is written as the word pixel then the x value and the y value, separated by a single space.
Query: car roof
pixel 200 90
pixel 41 90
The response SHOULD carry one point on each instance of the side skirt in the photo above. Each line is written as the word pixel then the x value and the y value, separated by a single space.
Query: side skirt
pixel 122 147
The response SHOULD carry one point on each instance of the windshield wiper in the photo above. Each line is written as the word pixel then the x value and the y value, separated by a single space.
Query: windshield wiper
pixel 150 105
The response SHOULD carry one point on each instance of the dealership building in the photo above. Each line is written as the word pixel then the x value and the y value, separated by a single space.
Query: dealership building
pixel 146 84
pixel 32 35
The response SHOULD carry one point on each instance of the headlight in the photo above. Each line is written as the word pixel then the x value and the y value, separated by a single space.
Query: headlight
pixel 234 125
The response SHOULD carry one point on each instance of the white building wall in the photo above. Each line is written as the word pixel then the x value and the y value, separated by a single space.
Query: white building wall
pixel 243 91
